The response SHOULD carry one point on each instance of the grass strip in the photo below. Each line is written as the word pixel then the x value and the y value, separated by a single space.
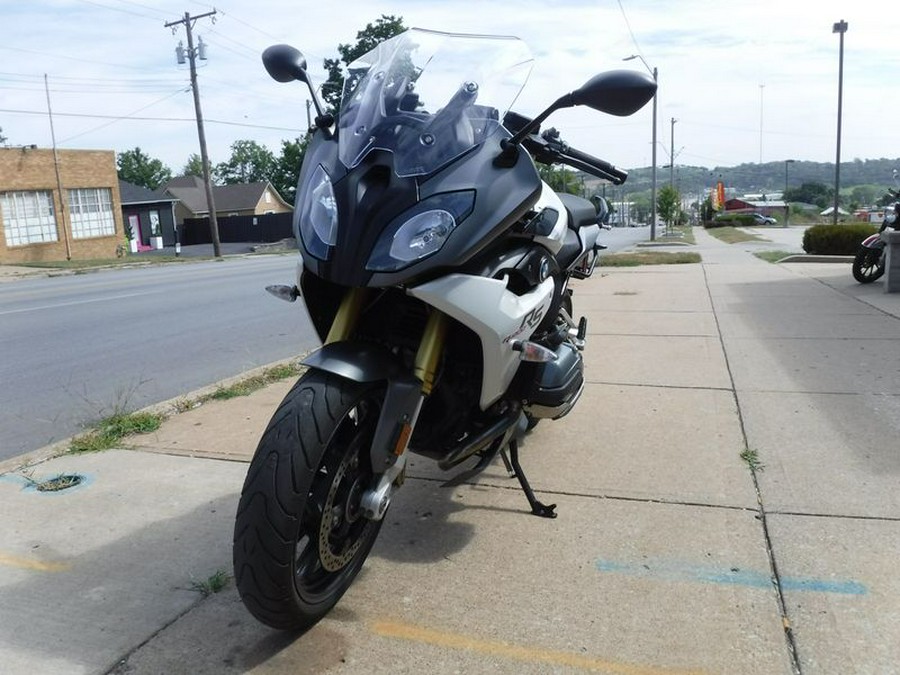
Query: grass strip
pixel 95 263
pixel 773 256
pixel 732 235
pixel 634 259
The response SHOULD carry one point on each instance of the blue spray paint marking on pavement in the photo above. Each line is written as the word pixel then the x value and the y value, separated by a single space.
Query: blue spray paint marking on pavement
pixel 678 571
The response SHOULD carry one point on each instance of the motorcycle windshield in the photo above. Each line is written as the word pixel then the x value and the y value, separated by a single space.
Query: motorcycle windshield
pixel 429 97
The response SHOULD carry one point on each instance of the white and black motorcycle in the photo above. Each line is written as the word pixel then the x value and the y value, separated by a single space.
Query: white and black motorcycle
pixel 435 267
pixel 869 261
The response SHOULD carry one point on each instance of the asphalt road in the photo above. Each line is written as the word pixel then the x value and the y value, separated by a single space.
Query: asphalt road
pixel 75 348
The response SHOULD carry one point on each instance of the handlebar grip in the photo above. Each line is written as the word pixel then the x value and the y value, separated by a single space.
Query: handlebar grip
pixel 598 163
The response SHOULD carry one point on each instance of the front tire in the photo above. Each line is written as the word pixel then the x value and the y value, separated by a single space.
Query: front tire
pixel 300 537
pixel 868 265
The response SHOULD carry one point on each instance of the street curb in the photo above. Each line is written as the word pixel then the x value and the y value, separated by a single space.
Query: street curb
pixel 803 258
pixel 167 408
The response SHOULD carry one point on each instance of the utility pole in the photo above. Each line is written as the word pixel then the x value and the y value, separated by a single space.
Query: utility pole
pixel 192 54
pixel 63 207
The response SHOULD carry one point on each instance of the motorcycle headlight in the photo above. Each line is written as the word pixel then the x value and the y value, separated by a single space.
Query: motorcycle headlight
pixel 421 231
pixel 318 216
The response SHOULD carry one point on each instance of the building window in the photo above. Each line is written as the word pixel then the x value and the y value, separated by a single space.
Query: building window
pixel 91 212
pixel 28 218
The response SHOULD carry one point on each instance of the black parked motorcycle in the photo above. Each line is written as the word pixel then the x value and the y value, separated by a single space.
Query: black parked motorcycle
pixel 435 267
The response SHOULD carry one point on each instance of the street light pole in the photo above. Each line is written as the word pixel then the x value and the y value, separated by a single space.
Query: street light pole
pixel 840 27
pixel 787 207
pixel 672 156
pixel 655 74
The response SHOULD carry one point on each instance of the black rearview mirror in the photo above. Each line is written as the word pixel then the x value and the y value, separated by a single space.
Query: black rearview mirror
pixel 616 92
pixel 285 63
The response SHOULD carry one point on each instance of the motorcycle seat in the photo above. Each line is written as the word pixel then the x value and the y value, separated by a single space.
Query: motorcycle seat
pixel 581 211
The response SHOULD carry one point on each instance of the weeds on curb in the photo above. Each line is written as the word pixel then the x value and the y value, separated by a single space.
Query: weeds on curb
pixel 752 459
pixel 111 430
pixel 213 584
pixel 248 385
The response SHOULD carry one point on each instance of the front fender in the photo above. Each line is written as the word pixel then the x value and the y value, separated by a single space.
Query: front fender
pixel 357 361
pixel 873 241
pixel 367 362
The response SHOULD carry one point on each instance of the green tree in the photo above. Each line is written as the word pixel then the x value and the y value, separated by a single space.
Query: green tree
pixel 250 162
pixel 707 212
pixel 668 204
pixel 135 166
pixel 2 137
pixel 387 26
pixel 287 168
pixel 864 195
pixel 560 179
pixel 193 166
pixel 811 193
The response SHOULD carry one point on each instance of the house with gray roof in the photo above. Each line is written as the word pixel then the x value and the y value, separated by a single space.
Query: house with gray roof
pixel 247 199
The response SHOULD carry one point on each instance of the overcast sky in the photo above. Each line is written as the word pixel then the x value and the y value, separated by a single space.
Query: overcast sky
pixel 746 81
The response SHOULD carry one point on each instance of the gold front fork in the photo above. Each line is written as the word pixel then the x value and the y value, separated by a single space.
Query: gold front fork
pixel 430 349
pixel 347 315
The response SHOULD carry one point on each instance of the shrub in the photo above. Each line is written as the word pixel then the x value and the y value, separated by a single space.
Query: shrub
pixel 836 239
pixel 731 220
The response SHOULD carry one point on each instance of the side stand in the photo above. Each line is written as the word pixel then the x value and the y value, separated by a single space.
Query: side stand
pixel 515 469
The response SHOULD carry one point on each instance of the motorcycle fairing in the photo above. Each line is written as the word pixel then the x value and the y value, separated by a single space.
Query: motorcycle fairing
pixel 497 315
pixel 371 196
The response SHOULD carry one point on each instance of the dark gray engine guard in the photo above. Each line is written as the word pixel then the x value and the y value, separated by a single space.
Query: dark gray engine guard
pixel 367 362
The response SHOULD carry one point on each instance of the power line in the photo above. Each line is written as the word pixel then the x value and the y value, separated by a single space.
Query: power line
pixel 119 9
pixel 123 117
pixel 71 58
pixel 637 47
pixel 154 119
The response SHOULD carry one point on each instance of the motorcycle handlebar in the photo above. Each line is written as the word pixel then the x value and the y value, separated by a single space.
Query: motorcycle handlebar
pixel 548 148
pixel 612 173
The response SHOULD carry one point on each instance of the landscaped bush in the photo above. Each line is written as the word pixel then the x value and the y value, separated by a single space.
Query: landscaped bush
pixel 731 220
pixel 836 239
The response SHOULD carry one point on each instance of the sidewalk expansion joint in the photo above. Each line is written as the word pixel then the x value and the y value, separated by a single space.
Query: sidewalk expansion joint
pixel 790 641
pixel 657 386
pixel 836 516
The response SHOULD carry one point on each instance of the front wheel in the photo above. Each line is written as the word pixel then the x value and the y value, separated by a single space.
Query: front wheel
pixel 300 537
pixel 868 265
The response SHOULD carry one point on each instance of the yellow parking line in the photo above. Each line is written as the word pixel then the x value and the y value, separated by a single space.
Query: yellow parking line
pixel 31 564
pixel 505 650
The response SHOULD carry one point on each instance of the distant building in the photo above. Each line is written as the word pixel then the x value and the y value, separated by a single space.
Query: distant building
pixel 149 213
pixel 44 219
pixel 768 207
pixel 247 199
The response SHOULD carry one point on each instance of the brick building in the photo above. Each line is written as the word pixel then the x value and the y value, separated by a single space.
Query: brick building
pixel 38 224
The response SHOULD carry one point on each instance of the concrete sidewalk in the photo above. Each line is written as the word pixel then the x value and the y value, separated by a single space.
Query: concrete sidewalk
pixel 669 554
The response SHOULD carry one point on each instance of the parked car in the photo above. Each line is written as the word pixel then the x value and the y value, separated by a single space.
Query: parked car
pixel 763 220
